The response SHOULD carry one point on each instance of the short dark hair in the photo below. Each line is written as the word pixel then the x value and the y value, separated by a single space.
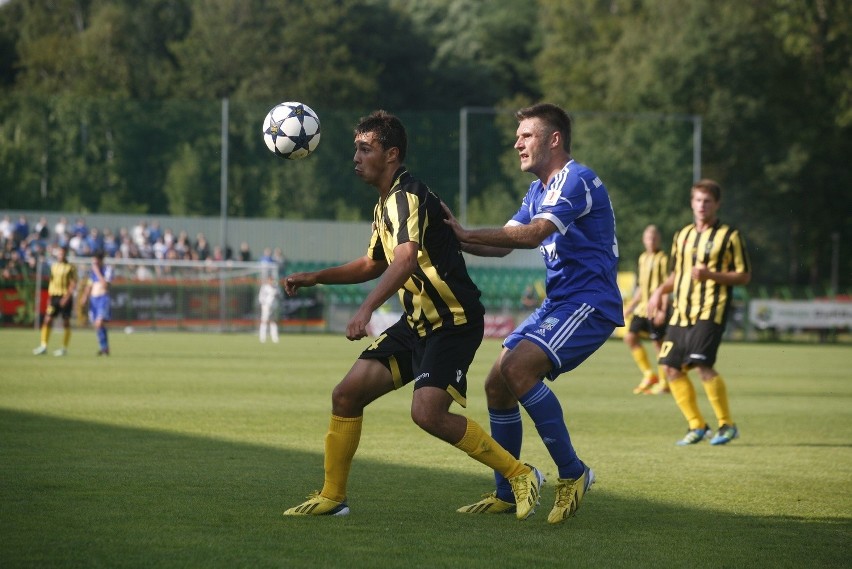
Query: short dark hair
pixel 709 187
pixel 553 116
pixel 388 129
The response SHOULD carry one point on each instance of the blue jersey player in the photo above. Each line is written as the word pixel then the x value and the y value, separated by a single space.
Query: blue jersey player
pixel 97 295
pixel 567 214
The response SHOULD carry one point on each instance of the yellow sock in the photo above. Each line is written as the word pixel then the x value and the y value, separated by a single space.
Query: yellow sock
pixel 661 374
pixel 341 442
pixel 481 447
pixel 66 339
pixel 717 393
pixel 684 395
pixel 641 359
pixel 45 335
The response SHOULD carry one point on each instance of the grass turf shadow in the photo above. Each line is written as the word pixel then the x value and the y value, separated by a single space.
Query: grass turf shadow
pixel 83 494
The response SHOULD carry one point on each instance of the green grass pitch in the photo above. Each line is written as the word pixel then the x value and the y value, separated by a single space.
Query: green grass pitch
pixel 182 450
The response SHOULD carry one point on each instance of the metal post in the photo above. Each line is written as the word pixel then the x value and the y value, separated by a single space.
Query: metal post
pixel 223 207
pixel 37 304
pixel 463 166
pixel 835 263
pixel 696 148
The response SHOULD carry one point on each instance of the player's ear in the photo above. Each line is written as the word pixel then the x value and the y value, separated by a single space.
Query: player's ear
pixel 556 139
pixel 393 154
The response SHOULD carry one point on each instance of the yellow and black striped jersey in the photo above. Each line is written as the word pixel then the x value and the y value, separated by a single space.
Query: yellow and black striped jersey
pixel 653 268
pixel 62 277
pixel 720 248
pixel 440 293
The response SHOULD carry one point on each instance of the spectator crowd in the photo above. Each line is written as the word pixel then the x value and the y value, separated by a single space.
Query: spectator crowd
pixel 23 246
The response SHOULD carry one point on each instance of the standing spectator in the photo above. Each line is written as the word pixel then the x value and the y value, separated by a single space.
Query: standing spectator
pixel 708 259
pixel 160 248
pixel 77 244
pixel 21 230
pixel 280 260
pixel 269 267
pixel 7 229
pixel 169 237
pixel 154 232
pixel 202 247
pixel 268 297
pixel 80 228
pixel 94 241
pixel 182 246
pixel 139 233
pixel 245 252
pixel 96 294
pixel 566 214
pixel 41 229
pixel 63 281
pixel 60 230
pixel 652 270
pixel 110 242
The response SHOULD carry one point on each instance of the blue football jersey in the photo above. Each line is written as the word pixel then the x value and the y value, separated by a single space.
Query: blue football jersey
pixel 582 255
pixel 107 274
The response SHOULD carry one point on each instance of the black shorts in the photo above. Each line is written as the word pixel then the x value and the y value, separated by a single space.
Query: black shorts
pixel 440 359
pixel 55 307
pixel 691 346
pixel 645 327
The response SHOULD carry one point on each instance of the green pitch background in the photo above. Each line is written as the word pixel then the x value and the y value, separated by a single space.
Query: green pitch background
pixel 182 450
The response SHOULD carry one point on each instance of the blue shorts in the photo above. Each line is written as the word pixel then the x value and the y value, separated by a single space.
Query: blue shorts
pixel 568 332
pixel 99 308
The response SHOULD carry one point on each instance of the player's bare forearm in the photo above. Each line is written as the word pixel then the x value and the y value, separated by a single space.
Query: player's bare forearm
pixel 485 250
pixel 728 278
pixel 397 273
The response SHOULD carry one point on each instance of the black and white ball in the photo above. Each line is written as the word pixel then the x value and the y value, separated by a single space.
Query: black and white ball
pixel 291 130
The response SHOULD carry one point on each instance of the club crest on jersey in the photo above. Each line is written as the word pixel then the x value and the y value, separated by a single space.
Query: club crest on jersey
pixel 551 197
pixel 548 324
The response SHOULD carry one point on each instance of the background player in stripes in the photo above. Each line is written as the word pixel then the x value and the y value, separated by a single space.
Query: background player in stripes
pixel 651 271
pixel 708 259
pixel 60 290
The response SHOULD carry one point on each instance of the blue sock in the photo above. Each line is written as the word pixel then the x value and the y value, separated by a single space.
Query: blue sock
pixel 102 338
pixel 546 412
pixel 506 429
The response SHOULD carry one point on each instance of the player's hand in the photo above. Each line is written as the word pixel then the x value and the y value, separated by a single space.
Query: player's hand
pixel 700 272
pixel 653 305
pixel 357 327
pixel 298 280
pixel 453 222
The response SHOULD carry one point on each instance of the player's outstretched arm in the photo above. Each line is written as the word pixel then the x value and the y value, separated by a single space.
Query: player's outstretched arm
pixel 360 270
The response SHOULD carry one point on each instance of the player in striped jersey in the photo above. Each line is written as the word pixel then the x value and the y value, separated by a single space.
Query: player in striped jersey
pixel 435 340
pixel 708 259
pixel 652 269
pixel 63 281
pixel 567 214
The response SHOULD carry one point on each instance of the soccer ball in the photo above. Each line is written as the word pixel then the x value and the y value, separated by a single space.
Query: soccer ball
pixel 291 130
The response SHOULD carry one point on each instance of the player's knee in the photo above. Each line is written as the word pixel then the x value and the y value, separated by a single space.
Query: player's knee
pixel 345 402
pixel 518 378
pixel 497 393
pixel 427 419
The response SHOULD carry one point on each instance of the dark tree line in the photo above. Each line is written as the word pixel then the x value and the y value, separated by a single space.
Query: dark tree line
pixel 115 106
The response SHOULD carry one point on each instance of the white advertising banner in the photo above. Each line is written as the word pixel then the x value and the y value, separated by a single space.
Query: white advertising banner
pixel 817 314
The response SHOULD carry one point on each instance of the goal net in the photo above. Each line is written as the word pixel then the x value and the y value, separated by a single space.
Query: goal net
pixel 219 296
